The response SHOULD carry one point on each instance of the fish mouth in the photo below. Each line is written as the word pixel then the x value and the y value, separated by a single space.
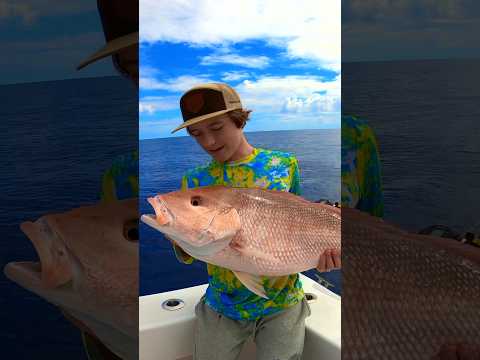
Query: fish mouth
pixel 208 248
pixel 163 215
pixel 52 270
pixel 26 273
pixel 151 220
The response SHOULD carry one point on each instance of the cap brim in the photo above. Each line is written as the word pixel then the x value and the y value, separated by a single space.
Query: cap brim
pixel 201 118
pixel 110 48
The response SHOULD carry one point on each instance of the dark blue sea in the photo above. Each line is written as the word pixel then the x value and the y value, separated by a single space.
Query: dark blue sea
pixel 57 140
pixel 164 161
pixel 425 114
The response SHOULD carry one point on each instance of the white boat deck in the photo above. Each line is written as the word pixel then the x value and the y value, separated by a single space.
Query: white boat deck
pixel 168 334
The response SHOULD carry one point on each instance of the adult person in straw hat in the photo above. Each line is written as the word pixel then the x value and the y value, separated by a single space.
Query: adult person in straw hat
pixel 120 26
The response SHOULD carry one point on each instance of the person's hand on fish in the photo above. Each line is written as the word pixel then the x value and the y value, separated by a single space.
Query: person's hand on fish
pixel 331 259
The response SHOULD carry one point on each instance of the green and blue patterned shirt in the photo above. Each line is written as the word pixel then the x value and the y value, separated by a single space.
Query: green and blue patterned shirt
pixel 361 175
pixel 266 169
pixel 361 179
pixel 120 181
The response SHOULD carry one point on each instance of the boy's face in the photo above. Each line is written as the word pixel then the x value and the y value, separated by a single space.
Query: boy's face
pixel 219 137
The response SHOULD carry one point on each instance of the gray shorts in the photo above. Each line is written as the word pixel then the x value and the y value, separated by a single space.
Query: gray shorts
pixel 277 337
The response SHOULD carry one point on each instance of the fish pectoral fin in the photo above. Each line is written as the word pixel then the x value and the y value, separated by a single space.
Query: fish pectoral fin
pixel 252 283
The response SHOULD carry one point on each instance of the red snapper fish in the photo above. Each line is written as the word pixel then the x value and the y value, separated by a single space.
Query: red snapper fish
pixel 252 232
pixel 405 295
pixel 88 266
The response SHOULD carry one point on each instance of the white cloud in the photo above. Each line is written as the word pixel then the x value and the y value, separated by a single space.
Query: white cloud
pixel 148 71
pixel 315 103
pixel 146 108
pixel 258 62
pixel 306 29
pixel 179 84
pixel 276 94
pixel 310 120
pixel 289 102
pixel 291 94
pixel 153 104
pixel 234 75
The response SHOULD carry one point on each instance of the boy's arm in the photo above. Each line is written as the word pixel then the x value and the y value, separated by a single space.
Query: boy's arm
pixel 181 255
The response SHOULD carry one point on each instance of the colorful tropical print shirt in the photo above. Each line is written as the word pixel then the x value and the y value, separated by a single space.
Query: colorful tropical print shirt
pixel 361 175
pixel 266 169
pixel 361 179
pixel 120 181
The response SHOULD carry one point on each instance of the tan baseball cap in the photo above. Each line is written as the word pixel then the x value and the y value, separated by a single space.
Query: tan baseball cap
pixel 120 27
pixel 206 101
pixel 110 48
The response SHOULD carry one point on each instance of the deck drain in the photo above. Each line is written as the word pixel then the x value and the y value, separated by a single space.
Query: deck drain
pixel 173 304
pixel 310 297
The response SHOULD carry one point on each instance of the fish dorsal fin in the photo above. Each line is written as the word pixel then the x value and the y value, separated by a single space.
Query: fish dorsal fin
pixel 252 283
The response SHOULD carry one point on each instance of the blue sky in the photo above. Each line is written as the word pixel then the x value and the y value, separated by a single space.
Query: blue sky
pixel 282 57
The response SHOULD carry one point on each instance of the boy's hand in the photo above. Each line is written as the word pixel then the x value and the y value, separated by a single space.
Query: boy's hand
pixel 331 259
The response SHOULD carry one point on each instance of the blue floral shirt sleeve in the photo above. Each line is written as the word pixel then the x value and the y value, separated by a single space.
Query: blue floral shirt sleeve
pixel 295 181
pixel 361 167
pixel 120 181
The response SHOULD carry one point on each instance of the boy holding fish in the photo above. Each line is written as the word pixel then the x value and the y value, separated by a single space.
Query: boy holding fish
pixel 214 116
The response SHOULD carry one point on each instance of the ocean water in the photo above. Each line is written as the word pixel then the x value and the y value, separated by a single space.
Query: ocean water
pixel 58 139
pixel 163 163
pixel 425 116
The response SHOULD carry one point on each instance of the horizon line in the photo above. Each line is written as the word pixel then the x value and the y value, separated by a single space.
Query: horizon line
pixel 246 132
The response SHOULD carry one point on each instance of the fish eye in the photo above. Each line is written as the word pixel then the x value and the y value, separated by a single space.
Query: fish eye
pixel 195 201
pixel 130 230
